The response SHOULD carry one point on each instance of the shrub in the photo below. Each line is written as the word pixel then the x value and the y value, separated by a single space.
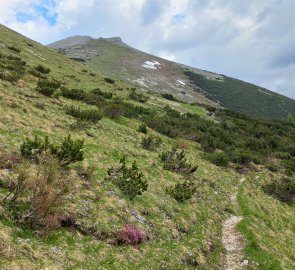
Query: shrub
pixel 87 114
pixel 218 158
pixel 78 59
pixel 76 94
pixel 175 160
pixel 171 112
pixel 31 148
pixel 142 128
pixel 42 69
pixel 161 126
pixel 289 165
pixel 46 183
pixel 138 96
pixel 168 96
pixel 9 76
pixel 98 92
pixel 128 179
pixel 109 80
pixel 282 189
pixel 130 235
pixel 69 151
pixel 15 49
pixel 241 156
pixel 151 142
pixel 182 191
pixel 114 110
pixel 47 87
pixel 37 74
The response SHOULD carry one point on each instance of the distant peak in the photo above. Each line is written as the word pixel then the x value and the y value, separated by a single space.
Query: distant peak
pixel 71 41
pixel 116 41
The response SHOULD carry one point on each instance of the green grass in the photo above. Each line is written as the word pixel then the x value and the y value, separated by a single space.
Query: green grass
pixel 179 233
pixel 268 227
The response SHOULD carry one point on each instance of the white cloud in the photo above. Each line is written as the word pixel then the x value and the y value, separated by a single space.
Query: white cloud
pixel 251 40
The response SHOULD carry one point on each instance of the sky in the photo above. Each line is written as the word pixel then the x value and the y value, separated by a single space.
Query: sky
pixel 252 40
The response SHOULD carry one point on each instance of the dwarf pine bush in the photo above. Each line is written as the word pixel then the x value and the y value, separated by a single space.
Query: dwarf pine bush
pixel 87 114
pixel 138 96
pixel 175 160
pixel 128 178
pixel 151 142
pixel 142 128
pixel 69 151
pixel 218 158
pixel 282 189
pixel 42 69
pixel 47 87
pixel 182 191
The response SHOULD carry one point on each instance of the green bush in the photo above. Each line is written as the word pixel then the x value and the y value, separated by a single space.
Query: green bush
pixel 114 110
pixel 175 160
pixel 138 96
pixel 142 128
pixel 76 94
pixel 98 92
pixel 42 69
pixel 15 49
pixel 31 148
pixel 109 80
pixel 171 112
pixel 282 189
pixel 69 151
pixel 37 74
pixel 218 158
pixel 151 142
pixel 168 96
pixel 182 191
pixel 9 76
pixel 47 87
pixel 128 179
pixel 241 156
pixel 87 114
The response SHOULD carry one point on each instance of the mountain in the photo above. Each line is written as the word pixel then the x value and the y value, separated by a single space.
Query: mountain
pixel 112 57
pixel 95 174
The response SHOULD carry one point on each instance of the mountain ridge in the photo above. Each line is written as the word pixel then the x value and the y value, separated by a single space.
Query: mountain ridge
pixel 189 84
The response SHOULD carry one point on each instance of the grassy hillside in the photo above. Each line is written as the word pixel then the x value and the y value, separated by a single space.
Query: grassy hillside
pixel 46 94
pixel 244 97
pixel 186 83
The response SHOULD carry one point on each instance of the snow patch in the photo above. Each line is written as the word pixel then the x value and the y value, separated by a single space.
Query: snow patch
pixel 151 64
pixel 181 82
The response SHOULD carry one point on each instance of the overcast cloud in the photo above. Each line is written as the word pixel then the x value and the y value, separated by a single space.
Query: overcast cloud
pixel 250 40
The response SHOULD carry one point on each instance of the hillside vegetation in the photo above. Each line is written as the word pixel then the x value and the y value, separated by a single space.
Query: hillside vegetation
pixel 98 174
pixel 244 97
pixel 188 84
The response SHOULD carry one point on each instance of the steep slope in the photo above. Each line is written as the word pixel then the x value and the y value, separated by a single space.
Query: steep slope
pixel 112 56
pixel 47 95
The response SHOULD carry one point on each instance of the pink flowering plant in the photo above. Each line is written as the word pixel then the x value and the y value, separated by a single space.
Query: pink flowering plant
pixel 130 235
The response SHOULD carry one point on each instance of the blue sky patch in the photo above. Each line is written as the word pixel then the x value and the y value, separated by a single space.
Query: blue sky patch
pixel 177 19
pixel 24 17
pixel 39 10
pixel 45 13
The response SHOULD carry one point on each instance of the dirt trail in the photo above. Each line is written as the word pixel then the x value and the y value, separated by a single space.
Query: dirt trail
pixel 232 240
